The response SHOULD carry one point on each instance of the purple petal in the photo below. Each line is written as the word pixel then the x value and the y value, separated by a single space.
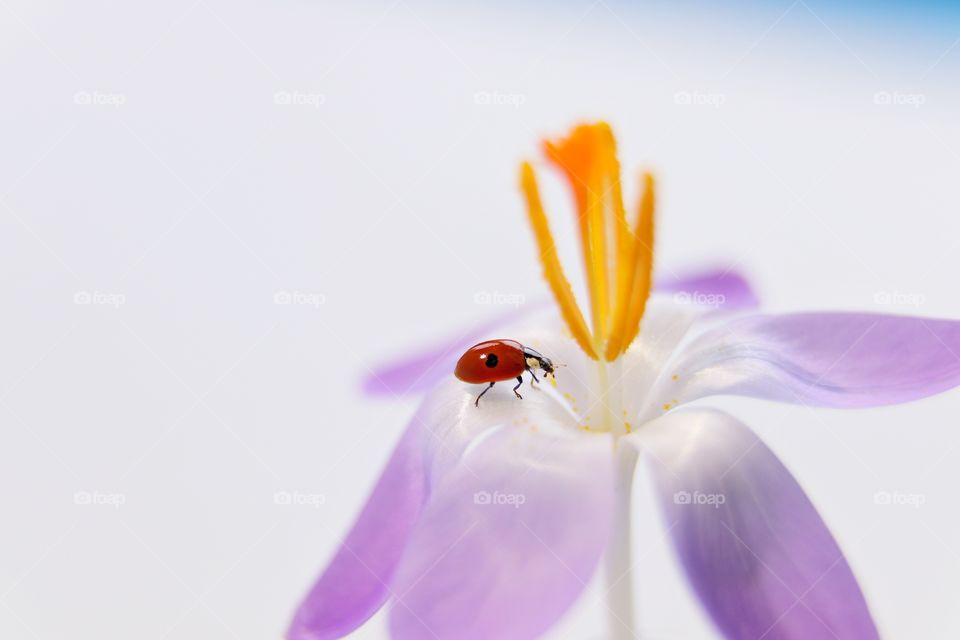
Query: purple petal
pixel 722 288
pixel 508 541
pixel 354 584
pixel 752 545
pixel 821 359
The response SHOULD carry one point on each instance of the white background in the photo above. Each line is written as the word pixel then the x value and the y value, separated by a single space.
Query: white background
pixel 145 154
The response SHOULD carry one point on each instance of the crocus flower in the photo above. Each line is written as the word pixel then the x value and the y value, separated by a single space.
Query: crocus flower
pixel 488 522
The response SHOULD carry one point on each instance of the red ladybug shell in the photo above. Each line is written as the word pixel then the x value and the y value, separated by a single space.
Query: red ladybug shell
pixel 491 361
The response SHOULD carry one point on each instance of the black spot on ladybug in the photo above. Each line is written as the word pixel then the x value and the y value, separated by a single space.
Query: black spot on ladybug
pixel 492 360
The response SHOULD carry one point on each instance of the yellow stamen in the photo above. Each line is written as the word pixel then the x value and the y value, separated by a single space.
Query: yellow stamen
pixel 626 268
pixel 623 264
pixel 552 269
pixel 643 261
pixel 597 262
pixel 588 158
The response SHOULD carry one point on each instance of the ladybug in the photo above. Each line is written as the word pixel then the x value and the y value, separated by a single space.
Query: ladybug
pixel 497 360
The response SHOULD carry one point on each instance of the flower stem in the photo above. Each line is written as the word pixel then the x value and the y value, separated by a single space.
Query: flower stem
pixel 618 562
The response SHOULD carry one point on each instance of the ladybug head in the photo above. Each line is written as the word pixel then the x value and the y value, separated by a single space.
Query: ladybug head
pixel 547 365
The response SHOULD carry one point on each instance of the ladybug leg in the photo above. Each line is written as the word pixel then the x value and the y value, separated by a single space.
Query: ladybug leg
pixel 519 382
pixel 477 402
pixel 533 375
